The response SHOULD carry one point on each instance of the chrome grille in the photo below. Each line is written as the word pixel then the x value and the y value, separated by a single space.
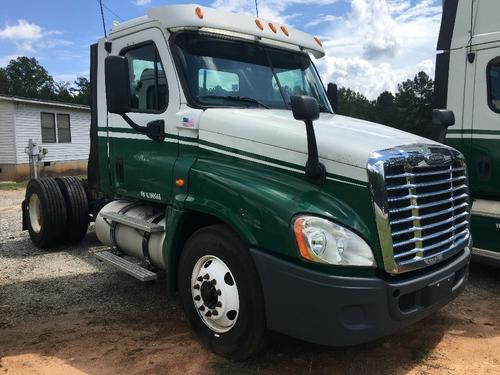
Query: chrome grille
pixel 422 205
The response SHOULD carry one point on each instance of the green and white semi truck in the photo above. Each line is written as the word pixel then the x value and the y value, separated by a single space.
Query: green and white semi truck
pixel 468 83
pixel 217 160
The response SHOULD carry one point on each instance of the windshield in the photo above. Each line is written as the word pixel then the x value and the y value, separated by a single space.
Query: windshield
pixel 222 72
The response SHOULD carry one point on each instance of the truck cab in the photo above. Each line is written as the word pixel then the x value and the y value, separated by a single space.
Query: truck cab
pixel 216 159
pixel 468 83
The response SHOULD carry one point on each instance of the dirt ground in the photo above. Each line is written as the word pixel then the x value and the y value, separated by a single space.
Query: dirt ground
pixel 63 312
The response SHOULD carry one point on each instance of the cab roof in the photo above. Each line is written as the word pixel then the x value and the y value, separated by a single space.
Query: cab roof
pixel 197 16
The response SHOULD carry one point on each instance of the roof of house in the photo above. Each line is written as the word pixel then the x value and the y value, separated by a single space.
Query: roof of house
pixel 52 103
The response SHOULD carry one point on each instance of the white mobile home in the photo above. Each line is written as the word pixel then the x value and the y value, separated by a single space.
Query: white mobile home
pixel 61 128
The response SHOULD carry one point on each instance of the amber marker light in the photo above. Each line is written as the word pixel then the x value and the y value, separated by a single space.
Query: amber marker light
pixel 297 228
pixel 199 13
pixel 285 30
pixel 259 24
pixel 179 182
pixel 271 26
pixel 318 41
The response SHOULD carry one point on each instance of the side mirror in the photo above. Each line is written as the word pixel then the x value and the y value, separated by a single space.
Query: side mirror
pixel 332 95
pixel 117 84
pixel 305 108
pixel 441 120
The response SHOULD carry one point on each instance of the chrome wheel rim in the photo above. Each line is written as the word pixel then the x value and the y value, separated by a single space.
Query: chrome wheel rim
pixel 35 213
pixel 215 294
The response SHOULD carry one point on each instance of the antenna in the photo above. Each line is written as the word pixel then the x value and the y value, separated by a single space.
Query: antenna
pixel 103 22
pixel 257 8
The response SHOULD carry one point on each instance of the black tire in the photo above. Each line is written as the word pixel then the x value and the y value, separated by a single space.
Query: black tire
pixel 48 230
pixel 77 207
pixel 248 334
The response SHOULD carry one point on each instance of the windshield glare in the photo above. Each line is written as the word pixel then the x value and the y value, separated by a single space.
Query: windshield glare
pixel 221 72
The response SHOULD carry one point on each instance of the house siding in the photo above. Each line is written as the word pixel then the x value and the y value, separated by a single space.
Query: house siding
pixel 7 136
pixel 28 125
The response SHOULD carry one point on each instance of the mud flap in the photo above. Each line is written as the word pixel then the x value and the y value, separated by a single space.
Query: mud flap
pixel 23 209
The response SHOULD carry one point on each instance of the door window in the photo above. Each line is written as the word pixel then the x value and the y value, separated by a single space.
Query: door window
pixel 494 84
pixel 148 84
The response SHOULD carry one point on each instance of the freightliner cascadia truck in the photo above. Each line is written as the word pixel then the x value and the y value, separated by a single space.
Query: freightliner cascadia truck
pixel 218 162
pixel 468 83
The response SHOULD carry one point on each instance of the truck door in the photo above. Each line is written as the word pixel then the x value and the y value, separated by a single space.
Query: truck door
pixel 484 164
pixel 141 167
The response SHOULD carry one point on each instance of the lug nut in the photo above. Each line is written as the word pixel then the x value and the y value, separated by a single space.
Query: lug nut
pixel 201 308
pixel 219 304
pixel 213 282
pixel 199 278
pixel 218 292
pixel 197 298
pixel 196 286
pixel 215 312
pixel 206 277
pixel 208 314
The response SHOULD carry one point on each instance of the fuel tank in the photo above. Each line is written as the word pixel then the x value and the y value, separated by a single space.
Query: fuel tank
pixel 128 239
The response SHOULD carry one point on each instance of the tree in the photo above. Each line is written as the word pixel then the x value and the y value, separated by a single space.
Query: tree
pixel 26 77
pixel 62 92
pixel 4 82
pixel 385 110
pixel 354 104
pixel 413 101
pixel 81 91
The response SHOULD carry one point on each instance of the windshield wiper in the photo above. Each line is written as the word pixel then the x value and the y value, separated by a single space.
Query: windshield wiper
pixel 235 98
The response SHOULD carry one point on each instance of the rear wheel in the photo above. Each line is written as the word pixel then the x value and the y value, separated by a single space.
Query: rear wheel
pixel 77 207
pixel 221 293
pixel 45 212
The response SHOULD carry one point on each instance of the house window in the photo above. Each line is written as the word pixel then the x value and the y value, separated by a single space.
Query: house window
pixel 49 123
pixel 148 84
pixel 63 128
pixel 493 72
pixel 48 128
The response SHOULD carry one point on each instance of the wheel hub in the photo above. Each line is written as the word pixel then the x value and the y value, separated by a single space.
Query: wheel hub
pixel 209 295
pixel 35 213
pixel 215 294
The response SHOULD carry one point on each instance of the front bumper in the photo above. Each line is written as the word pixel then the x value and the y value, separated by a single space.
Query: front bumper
pixel 340 311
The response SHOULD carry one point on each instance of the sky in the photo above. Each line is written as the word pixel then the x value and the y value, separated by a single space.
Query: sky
pixel 371 45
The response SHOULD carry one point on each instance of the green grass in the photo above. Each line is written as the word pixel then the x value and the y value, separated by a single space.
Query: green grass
pixel 13 185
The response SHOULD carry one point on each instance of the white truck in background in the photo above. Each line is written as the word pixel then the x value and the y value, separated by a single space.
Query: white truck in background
pixel 467 81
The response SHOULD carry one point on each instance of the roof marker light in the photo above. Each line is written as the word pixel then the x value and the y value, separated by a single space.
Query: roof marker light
pixel 271 26
pixel 259 24
pixel 199 12
pixel 285 30
pixel 318 41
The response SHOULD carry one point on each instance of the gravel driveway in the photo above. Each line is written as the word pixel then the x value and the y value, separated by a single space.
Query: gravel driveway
pixel 63 312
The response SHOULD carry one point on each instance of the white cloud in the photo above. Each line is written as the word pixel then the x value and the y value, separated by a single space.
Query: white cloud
pixel 142 2
pixel 24 34
pixel 4 60
pixel 380 43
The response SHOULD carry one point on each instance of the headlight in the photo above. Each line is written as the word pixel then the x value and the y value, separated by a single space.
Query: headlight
pixel 323 241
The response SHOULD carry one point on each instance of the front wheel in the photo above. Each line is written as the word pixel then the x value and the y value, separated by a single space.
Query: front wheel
pixel 221 292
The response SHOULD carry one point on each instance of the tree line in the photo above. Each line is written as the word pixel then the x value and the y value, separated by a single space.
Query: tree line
pixel 409 109
pixel 24 76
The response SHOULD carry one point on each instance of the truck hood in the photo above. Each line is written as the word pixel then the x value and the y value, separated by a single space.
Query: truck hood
pixel 344 143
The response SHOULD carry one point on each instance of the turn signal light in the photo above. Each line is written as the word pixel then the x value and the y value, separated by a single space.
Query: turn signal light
pixel 179 182
pixel 259 24
pixel 199 12
pixel 297 228
pixel 271 26
pixel 285 30
pixel 318 41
